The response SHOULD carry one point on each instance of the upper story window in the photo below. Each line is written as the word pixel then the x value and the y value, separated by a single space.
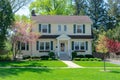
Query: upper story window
pixel 59 27
pixel 65 27
pixel 79 28
pixel 45 28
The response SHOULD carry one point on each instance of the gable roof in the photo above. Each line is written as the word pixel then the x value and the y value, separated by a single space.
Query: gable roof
pixel 61 19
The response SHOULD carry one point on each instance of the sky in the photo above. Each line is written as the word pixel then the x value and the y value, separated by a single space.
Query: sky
pixel 23 11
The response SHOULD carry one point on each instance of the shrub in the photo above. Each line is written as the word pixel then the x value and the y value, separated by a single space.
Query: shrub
pixel 51 54
pixel 76 59
pixel 83 59
pixel 91 59
pixel 44 57
pixel 26 57
pixel 89 56
pixel 80 56
pixel 5 58
pixel 74 54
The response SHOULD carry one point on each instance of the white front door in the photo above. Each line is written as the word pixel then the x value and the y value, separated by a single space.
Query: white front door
pixel 62 47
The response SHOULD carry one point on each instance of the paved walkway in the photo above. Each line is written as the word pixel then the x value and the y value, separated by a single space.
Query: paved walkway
pixel 71 64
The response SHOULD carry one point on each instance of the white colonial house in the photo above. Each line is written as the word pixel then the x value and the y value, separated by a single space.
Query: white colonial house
pixel 61 35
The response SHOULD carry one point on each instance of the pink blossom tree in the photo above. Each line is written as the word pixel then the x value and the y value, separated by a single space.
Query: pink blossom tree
pixel 22 33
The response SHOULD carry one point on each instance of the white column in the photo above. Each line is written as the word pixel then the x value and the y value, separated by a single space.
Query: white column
pixel 58 48
pixel 69 48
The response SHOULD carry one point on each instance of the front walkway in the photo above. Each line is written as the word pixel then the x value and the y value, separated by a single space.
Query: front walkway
pixel 71 64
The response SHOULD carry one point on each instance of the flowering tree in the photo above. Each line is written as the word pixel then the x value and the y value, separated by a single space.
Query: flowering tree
pixel 22 31
pixel 101 46
pixel 113 46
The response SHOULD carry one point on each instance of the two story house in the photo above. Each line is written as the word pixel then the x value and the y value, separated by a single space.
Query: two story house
pixel 61 35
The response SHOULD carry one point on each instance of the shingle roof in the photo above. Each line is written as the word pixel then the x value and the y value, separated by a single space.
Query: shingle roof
pixel 61 19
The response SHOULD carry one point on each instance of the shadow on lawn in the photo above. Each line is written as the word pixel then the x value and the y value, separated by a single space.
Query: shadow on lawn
pixel 115 72
pixel 21 64
pixel 16 71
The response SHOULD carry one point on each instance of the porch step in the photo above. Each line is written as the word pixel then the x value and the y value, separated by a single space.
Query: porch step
pixel 64 57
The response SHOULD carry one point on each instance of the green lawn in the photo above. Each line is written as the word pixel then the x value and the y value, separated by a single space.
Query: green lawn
pixel 59 74
pixel 95 64
pixel 40 63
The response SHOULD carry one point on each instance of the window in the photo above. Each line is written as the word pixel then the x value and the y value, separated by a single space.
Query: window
pixel 23 46
pixel 41 45
pixel 79 29
pixel 47 46
pixel 79 45
pixel 45 28
pixel 76 46
pixel 59 27
pixel 65 28
pixel 44 46
pixel 82 46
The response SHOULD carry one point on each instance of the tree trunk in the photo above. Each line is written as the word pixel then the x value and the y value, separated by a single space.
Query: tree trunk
pixel 104 63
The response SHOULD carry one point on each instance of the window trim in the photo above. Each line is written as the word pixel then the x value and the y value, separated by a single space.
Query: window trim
pixel 79 25
pixel 65 27
pixel 44 45
pixel 59 27
pixel 47 28
pixel 79 42
pixel 26 44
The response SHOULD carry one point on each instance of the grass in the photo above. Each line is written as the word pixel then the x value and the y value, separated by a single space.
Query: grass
pixel 95 64
pixel 59 74
pixel 40 63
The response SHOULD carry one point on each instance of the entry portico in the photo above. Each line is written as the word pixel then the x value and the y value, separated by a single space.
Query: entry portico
pixel 63 45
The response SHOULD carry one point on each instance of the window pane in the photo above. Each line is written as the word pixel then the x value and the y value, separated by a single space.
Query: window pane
pixel 44 28
pixel 41 45
pixel 82 46
pixel 22 46
pixel 47 46
pixel 59 27
pixel 76 45
pixel 79 29
pixel 65 28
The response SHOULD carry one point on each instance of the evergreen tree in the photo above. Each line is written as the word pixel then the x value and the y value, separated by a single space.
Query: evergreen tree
pixel 6 19
pixel 97 12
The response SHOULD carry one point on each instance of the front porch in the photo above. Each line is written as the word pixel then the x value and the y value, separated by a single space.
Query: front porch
pixel 63 47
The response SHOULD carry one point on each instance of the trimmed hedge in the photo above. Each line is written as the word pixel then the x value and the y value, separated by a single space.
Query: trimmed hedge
pixel 44 57
pixel 87 59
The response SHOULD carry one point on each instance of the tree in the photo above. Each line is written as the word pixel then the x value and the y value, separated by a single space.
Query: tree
pixel 6 20
pixel 101 46
pixel 22 33
pixel 113 46
pixel 17 4
pixel 79 7
pixel 114 11
pixel 97 12
pixel 51 7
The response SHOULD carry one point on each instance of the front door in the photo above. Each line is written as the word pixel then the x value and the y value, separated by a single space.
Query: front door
pixel 62 47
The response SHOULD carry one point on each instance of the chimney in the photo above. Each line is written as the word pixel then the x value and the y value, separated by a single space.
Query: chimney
pixel 33 13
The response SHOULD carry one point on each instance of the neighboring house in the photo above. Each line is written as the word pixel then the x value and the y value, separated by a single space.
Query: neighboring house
pixel 62 35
